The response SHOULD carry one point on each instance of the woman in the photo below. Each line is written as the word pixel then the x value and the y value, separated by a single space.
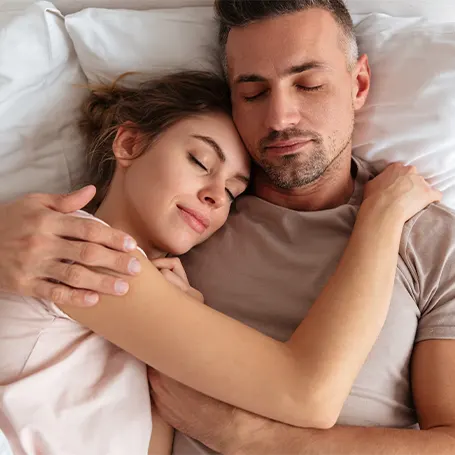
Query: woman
pixel 167 163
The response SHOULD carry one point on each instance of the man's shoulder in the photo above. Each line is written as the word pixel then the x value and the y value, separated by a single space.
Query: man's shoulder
pixel 428 240
pixel 436 219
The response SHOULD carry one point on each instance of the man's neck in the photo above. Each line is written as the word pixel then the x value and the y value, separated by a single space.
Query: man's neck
pixel 332 189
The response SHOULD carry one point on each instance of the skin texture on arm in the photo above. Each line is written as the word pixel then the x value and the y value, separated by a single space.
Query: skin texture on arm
pixel 235 432
pixel 433 371
pixel 310 376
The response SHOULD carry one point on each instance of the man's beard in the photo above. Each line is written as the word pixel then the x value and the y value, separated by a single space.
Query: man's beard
pixel 293 171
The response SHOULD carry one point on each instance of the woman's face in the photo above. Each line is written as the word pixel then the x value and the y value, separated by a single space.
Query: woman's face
pixel 179 191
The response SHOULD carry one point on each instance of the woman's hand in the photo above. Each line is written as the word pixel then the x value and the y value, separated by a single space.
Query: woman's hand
pixel 172 269
pixel 45 253
pixel 402 189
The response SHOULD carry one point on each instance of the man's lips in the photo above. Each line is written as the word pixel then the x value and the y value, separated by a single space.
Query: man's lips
pixel 194 219
pixel 287 147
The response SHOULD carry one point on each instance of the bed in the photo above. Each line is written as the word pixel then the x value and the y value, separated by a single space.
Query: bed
pixel 50 51
pixel 47 56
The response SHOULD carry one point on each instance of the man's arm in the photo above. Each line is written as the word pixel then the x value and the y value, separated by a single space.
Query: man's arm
pixel 46 253
pixel 240 433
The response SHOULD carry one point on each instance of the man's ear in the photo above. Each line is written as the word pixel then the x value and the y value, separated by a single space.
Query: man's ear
pixel 361 82
pixel 125 146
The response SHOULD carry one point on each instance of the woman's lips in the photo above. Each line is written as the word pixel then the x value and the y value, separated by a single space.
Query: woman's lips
pixel 194 219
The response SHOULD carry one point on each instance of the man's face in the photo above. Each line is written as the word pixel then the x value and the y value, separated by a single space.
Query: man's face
pixel 294 96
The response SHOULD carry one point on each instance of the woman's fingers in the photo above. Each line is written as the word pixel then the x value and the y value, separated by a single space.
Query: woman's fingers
pixel 174 279
pixel 173 264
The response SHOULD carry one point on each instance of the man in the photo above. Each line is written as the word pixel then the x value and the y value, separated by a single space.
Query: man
pixel 296 83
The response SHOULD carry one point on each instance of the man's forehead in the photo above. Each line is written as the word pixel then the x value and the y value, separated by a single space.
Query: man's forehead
pixel 283 42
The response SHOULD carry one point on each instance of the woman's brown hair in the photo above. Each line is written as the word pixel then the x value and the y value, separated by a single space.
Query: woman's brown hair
pixel 151 108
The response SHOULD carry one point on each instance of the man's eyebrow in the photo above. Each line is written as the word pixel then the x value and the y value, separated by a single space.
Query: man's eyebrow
pixel 295 69
pixel 220 154
pixel 249 78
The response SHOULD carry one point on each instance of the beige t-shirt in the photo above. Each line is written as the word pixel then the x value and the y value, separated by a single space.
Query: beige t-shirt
pixel 65 390
pixel 269 264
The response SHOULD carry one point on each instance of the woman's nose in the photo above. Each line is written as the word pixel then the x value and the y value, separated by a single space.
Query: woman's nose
pixel 213 195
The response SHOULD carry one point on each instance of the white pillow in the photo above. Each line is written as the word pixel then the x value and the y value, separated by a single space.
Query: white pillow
pixel 410 115
pixel 72 6
pixel 112 42
pixel 441 11
pixel 40 149
pixel 438 10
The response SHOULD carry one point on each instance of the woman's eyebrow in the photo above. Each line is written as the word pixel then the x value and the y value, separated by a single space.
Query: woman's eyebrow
pixel 213 144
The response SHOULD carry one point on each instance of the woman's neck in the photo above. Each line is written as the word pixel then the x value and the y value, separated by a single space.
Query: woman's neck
pixel 115 212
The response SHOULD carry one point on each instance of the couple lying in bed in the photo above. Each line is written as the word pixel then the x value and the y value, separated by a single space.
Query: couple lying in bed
pixel 168 164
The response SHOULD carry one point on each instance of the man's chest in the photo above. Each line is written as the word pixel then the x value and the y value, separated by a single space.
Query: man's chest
pixel 269 281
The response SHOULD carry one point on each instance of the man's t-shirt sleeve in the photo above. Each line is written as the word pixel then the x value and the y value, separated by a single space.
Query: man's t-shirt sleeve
pixel 429 252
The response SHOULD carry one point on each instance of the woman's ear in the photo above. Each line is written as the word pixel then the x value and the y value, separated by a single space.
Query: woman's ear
pixel 126 145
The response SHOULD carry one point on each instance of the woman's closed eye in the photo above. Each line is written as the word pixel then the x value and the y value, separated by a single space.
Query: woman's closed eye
pixel 230 195
pixel 198 163
pixel 201 165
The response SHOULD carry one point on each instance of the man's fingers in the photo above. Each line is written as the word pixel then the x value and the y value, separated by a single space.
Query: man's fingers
pixel 67 203
pixel 94 232
pixel 79 277
pixel 153 377
pixel 64 295
pixel 94 255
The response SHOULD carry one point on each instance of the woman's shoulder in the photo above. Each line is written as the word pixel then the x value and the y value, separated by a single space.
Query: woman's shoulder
pixel 84 214
pixel 28 308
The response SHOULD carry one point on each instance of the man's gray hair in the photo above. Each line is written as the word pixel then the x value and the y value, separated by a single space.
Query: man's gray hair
pixel 239 13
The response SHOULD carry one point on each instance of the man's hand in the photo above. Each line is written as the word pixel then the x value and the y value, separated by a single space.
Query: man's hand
pixel 209 421
pixel 38 258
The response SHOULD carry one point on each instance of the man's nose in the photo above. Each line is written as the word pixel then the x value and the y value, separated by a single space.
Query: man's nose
pixel 282 111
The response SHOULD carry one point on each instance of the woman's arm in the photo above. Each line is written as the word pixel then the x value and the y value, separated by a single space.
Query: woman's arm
pixel 303 382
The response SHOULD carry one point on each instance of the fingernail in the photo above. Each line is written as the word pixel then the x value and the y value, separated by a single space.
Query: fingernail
pixel 91 299
pixel 121 287
pixel 134 266
pixel 129 244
